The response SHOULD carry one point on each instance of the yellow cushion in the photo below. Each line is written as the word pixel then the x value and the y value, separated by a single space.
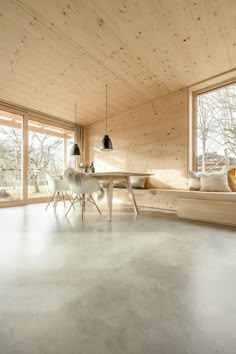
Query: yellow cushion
pixel 232 179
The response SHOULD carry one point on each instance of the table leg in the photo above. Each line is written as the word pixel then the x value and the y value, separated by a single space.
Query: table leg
pixel 109 198
pixel 131 194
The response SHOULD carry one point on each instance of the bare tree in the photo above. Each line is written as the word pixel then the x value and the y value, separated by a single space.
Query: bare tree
pixel 44 152
pixel 224 105
pixel 205 121
pixel 216 123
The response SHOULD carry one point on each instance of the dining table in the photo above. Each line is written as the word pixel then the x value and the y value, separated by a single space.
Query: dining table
pixel 110 178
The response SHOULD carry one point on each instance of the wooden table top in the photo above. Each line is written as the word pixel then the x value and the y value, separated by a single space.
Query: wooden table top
pixel 119 174
pixel 116 174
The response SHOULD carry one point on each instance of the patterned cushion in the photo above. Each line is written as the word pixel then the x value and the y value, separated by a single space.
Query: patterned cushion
pixel 232 179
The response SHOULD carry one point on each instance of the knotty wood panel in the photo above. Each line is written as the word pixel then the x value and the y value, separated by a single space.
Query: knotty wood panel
pixel 160 199
pixel 58 52
pixel 207 210
pixel 150 138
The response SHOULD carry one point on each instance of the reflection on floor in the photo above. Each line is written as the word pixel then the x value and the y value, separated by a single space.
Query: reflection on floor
pixel 146 284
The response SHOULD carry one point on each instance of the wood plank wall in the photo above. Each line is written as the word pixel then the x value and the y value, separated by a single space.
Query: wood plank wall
pixel 151 138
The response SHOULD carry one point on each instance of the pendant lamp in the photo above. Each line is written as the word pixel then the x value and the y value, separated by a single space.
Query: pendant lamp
pixel 75 151
pixel 106 141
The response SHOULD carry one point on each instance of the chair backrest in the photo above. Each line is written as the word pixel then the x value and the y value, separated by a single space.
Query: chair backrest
pixel 51 183
pixel 56 184
pixel 80 183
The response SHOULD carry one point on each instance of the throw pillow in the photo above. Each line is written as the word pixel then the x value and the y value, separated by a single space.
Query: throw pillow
pixel 119 184
pixel 232 179
pixel 138 182
pixel 194 181
pixel 214 182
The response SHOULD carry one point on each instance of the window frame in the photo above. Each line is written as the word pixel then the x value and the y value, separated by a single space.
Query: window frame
pixel 193 116
pixel 31 115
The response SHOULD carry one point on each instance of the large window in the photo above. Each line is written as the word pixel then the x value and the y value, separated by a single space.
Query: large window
pixel 11 144
pixel 28 149
pixel 45 154
pixel 215 143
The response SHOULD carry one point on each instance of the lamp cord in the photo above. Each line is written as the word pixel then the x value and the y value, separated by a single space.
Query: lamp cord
pixel 106 109
pixel 75 113
pixel 75 135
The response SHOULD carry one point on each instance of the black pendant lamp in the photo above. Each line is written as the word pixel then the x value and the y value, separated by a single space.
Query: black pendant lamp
pixel 106 141
pixel 75 151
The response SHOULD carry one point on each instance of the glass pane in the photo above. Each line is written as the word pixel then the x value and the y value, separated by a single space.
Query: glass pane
pixel 70 161
pixel 216 129
pixel 11 139
pixel 46 154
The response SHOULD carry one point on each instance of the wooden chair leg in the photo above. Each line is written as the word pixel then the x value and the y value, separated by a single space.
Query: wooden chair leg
pixel 72 204
pixel 93 202
pixel 51 200
pixel 63 198
pixel 83 206
pixel 68 198
pixel 56 201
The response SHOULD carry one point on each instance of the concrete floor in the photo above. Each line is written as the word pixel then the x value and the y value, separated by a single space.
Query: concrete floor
pixel 151 284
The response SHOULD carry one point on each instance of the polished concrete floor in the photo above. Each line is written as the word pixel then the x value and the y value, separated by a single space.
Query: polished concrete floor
pixel 151 284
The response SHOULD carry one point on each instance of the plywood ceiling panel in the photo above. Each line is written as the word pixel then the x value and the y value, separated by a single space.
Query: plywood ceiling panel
pixel 58 52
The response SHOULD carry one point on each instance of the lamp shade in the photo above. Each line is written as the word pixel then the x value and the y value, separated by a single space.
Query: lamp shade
pixel 106 143
pixel 75 151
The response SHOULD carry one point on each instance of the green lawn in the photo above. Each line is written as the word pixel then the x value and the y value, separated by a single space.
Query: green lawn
pixel 15 193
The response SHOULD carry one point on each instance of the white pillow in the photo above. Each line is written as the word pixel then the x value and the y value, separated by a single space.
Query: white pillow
pixel 119 184
pixel 194 181
pixel 137 183
pixel 214 182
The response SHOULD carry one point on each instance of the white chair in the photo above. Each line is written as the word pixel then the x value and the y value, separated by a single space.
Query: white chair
pixel 59 189
pixel 82 188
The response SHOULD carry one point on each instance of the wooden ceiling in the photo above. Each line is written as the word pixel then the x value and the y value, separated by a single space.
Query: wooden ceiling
pixel 58 52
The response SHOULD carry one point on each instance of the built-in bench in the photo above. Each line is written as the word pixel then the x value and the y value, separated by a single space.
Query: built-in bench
pixel 215 207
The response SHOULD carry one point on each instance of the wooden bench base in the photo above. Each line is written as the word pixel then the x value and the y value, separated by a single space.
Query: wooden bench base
pixel 214 207
pixel 222 212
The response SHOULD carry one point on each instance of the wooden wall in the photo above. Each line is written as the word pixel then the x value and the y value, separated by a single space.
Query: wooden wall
pixel 150 138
